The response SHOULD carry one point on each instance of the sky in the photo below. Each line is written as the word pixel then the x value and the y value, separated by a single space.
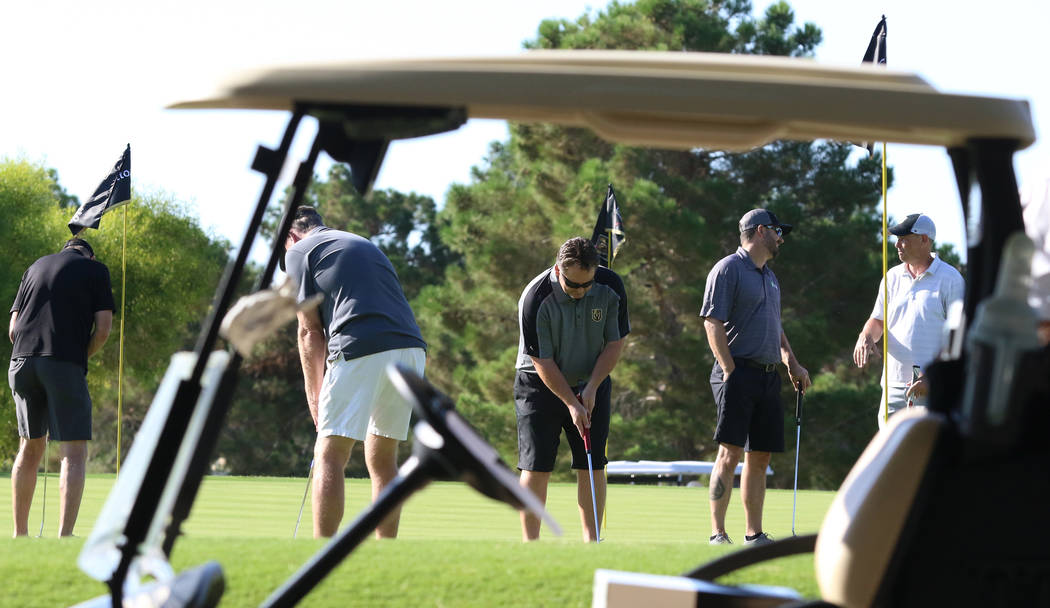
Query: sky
pixel 81 80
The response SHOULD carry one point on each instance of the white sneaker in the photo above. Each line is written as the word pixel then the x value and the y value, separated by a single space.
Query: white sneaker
pixel 720 539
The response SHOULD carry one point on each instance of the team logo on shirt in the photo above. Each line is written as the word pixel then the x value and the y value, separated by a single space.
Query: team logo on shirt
pixel 596 315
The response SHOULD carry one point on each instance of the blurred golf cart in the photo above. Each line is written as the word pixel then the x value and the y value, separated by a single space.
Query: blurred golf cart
pixel 899 532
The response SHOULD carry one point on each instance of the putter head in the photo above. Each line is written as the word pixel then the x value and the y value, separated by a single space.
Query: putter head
pixel 465 456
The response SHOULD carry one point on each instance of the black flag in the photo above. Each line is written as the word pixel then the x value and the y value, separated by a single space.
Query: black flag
pixel 876 53
pixel 114 191
pixel 608 230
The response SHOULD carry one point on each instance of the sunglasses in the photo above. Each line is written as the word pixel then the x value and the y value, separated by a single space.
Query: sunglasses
pixel 572 285
pixel 777 229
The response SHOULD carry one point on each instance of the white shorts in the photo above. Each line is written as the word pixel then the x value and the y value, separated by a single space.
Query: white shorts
pixel 357 398
pixel 898 401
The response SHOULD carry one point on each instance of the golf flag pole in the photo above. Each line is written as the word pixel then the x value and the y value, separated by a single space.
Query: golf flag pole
pixel 798 440
pixel 113 192
pixel 876 53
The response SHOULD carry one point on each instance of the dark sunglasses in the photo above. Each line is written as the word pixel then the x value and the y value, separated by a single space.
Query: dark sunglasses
pixel 572 285
pixel 777 229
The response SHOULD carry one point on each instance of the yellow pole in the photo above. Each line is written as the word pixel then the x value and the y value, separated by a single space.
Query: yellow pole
pixel 605 469
pixel 885 302
pixel 120 357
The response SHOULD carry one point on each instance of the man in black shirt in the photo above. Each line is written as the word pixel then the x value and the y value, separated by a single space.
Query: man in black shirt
pixel 61 316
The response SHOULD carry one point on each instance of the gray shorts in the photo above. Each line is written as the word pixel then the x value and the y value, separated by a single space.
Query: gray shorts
pixel 50 396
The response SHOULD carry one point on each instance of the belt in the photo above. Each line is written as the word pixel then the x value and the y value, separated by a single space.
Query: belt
pixel 766 367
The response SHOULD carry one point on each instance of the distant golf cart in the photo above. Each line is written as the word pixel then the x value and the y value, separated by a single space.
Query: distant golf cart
pixel 896 533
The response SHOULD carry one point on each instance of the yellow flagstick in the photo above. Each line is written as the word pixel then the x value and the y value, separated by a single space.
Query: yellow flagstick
pixel 885 303
pixel 605 469
pixel 120 359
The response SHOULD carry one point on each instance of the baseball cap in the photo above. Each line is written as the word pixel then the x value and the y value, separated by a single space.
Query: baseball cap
pixel 916 223
pixel 762 217
pixel 80 244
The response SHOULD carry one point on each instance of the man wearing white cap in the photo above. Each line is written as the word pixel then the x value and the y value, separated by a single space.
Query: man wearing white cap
pixel 921 290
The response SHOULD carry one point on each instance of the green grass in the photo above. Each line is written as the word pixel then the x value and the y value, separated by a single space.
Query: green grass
pixel 456 547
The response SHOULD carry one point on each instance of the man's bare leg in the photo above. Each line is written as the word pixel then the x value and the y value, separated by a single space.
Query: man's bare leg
pixel 721 484
pixel 753 489
pixel 70 484
pixel 536 482
pixel 583 500
pixel 23 480
pixel 331 454
pixel 381 460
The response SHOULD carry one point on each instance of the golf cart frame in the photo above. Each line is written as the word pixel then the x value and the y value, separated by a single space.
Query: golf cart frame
pixel 668 100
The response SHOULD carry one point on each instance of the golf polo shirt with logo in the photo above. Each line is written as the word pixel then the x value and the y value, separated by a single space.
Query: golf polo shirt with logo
pixel 747 300
pixel 918 308
pixel 571 332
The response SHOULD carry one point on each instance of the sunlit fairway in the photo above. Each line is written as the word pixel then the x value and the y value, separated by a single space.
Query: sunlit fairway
pixel 456 547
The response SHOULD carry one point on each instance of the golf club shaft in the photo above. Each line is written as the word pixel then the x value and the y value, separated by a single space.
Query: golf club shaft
pixel 798 440
pixel 43 497
pixel 309 478
pixel 594 500
pixel 794 498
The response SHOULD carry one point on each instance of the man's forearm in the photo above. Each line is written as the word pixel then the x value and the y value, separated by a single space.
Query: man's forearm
pixel 719 343
pixel 312 355
pixel 786 354
pixel 554 379
pixel 607 360
pixel 872 330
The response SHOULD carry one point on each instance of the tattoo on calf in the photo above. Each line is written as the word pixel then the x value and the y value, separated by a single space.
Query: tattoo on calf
pixel 718 489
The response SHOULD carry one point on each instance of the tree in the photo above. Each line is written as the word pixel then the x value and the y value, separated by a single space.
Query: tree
pixel 680 211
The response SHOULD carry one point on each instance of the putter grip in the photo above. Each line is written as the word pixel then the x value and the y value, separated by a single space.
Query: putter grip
pixel 798 402
pixel 586 432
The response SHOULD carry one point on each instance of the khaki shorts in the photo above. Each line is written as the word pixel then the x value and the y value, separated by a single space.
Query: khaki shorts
pixel 898 401
pixel 357 398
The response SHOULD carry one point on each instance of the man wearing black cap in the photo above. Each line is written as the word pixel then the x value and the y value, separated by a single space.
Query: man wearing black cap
pixel 61 315
pixel 363 324
pixel 741 313
pixel 921 290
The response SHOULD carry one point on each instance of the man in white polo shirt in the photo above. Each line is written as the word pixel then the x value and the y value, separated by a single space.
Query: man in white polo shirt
pixel 921 290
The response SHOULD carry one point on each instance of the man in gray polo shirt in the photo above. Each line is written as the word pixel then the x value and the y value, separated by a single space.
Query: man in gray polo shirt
pixel 573 319
pixel 363 324
pixel 741 313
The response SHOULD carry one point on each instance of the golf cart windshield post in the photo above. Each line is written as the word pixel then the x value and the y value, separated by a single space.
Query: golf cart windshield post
pixel 144 505
pixel 991 209
pixel 221 405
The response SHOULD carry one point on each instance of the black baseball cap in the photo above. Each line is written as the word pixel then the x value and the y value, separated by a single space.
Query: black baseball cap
pixel 80 244
pixel 762 217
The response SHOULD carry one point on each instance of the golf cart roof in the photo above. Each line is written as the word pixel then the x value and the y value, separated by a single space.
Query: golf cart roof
pixel 669 100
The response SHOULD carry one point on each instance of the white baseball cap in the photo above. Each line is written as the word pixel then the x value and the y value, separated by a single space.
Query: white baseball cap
pixel 916 223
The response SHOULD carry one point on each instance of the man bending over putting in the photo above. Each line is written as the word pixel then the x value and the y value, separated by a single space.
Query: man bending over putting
pixel 572 320
pixel 363 325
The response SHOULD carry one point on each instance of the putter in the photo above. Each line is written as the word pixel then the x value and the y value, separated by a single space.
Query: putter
pixel 798 438
pixel 914 379
pixel 590 473
pixel 43 497
pixel 309 477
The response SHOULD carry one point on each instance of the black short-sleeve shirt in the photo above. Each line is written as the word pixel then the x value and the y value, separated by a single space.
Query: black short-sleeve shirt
pixel 56 304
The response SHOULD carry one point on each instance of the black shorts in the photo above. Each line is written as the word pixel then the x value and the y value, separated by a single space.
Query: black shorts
pixel 50 396
pixel 750 412
pixel 541 418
